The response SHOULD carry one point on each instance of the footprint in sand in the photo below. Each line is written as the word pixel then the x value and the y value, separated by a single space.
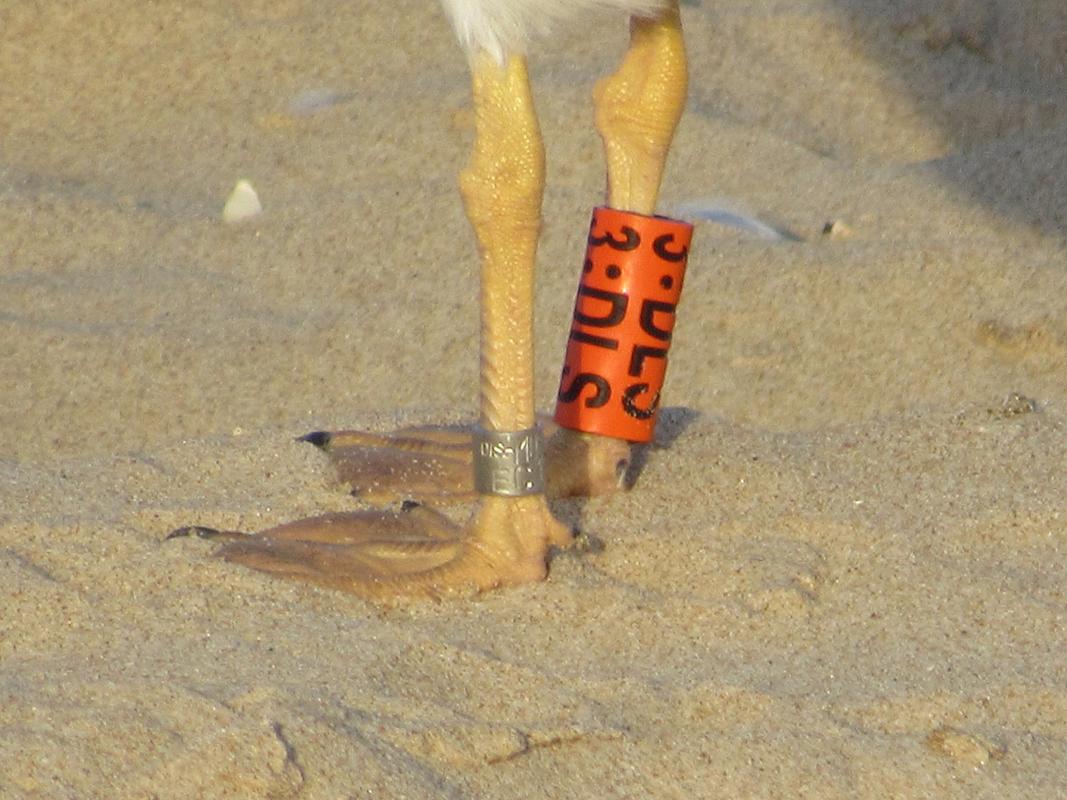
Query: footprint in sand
pixel 492 720
pixel 765 570
pixel 1041 343
pixel 974 729
pixel 966 748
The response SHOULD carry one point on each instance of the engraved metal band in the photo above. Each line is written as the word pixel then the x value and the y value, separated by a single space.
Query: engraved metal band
pixel 509 463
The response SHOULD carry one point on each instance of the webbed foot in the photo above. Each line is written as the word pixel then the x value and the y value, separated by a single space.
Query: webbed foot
pixel 413 552
pixel 433 464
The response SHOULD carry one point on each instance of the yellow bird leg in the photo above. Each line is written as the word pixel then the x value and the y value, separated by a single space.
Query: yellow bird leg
pixel 417 551
pixel 502 188
pixel 638 109
pixel 384 555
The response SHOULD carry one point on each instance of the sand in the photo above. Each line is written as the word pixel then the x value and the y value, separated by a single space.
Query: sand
pixel 841 573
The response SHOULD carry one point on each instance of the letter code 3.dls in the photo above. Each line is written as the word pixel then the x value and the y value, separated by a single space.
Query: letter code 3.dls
pixel 623 320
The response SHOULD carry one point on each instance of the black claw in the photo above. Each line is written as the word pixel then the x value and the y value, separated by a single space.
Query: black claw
pixel 588 543
pixel 193 530
pixel 407 505
pixel 320 439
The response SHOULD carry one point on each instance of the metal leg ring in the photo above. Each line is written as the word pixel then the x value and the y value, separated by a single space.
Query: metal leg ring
pixel 509 463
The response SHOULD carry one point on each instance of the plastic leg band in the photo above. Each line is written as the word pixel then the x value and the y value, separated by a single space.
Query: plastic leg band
pixel 509 463
pixel 623 319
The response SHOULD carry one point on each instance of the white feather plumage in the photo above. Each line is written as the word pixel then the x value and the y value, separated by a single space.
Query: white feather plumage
pixel 503 26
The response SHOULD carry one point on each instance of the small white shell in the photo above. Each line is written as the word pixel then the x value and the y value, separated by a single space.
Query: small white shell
pixel 242 203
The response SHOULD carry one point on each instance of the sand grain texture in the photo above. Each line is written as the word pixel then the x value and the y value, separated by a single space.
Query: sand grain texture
pixel 842 571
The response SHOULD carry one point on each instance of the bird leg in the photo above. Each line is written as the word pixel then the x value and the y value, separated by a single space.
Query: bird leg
pixel 416 552
pixel 502 190
pixel 637 111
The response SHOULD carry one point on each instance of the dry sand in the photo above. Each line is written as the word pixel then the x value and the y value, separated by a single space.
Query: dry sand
pixel 842 572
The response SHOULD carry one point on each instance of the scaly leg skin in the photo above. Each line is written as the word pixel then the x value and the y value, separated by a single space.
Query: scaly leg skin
pixel 507 541
pixel 638 109
pixel 637 112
